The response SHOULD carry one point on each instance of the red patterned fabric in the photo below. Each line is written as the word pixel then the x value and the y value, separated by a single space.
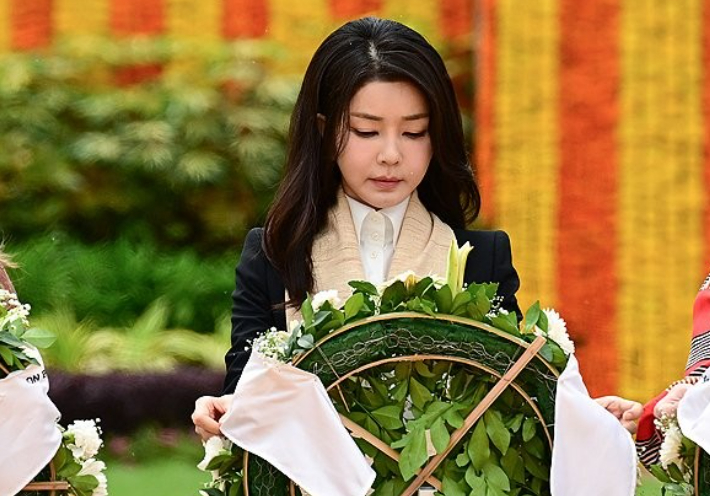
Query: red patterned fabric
pixel 648 438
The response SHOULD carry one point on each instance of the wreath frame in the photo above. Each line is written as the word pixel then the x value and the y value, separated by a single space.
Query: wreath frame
pixel 261 479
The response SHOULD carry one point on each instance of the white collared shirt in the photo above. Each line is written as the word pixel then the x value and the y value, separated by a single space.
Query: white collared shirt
pixel 377 233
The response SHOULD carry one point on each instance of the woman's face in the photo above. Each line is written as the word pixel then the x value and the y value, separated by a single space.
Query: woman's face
pixel 387 149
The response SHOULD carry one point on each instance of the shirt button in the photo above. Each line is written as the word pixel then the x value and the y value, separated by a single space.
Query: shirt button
pixel 375 236
pixel 373 254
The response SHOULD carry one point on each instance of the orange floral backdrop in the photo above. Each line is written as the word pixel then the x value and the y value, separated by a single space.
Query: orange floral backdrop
pixel 592 124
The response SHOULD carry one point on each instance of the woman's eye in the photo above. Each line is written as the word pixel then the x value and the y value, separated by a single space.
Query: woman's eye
pixel 420 134
pixel 363 134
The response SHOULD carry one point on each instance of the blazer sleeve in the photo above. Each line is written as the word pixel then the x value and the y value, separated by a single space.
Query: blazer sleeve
pixel 505 274
pixel 251 307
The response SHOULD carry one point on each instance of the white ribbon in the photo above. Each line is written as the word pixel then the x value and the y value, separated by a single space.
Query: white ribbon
pixel 284 415
pixel 593 454
pixel 694 413
pixel 29 435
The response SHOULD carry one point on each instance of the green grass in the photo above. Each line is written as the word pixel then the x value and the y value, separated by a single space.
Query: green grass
pixel 179 477
pixel 155 478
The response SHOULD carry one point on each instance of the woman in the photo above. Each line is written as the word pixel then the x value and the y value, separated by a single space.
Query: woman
pixel 377 181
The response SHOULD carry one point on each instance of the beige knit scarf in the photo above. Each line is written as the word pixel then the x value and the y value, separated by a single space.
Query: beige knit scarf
pixel 422 247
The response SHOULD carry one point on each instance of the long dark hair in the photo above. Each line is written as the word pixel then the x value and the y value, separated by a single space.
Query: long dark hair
pixel 360 52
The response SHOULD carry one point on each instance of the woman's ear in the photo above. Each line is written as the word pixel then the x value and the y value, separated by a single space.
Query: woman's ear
pixel 321 124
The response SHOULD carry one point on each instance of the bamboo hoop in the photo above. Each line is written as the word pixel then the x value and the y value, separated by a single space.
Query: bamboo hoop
pixel 530 352
pixel 52 486
pixel 477 412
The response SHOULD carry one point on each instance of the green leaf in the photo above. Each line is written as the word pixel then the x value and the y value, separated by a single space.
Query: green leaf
pixel 389 417
pixel 515 422
pixel 529 428
pixel 306 341
pixel 497 431
pixel 400 391
pixel 419 393
pixel 453 418
pixel 482 302
pixel 450 488
pixel 10 339
pixel 217 462
pixel 478 448
pixel 659 473
pixel 546 352
pixel 353 305
pixel 440 436
pixel 443 299
pixel 236 489
pixel 512 463
pixel 307 311
pixel 84 482
pixel 393 295
pixel 542 322
pixel 532 316
pixel 423 370
pixel 71 468
pixel 535 467
pixel 364 287
pixel 495 476
pixel 473 312
pixel 460 301
pixel 504 323
pixel 536 448
pixel 462 460
pixel 476 482
pixel 6 355
pixel 423 286
pixel 414 455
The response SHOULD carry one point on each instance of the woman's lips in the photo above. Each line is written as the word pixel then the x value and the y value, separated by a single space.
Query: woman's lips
pixel 386 182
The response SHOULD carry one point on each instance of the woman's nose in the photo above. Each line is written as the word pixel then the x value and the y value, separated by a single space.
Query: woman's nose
pixel 390 153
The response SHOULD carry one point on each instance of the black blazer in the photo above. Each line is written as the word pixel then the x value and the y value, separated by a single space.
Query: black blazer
pixel 259 289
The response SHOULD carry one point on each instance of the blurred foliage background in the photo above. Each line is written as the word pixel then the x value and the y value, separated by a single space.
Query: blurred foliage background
pixel 131 171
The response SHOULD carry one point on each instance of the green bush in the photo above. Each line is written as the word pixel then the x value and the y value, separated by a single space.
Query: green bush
pixel 189 156
pixel 112 284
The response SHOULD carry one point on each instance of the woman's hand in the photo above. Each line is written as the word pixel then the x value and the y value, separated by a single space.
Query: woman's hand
pixel 628 412
pixel 208 411
pixel 668 405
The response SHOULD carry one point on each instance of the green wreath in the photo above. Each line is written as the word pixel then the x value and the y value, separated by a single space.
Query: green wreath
pixel 406 383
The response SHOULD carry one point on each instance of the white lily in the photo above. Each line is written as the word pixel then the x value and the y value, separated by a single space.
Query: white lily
pixel 456 265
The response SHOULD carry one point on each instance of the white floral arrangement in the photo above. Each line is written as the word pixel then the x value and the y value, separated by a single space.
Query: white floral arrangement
pixel 677 454
pixel 76 460
pixel 223 460
pixel 18 341
pixel 432 295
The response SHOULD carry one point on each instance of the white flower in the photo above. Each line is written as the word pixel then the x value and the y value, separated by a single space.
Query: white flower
pixel 86 439
pixel 670 448
pixel 409 278
pixel 102 488
pixel 92 466
pixel 321 297
pixel 456 265
pixel 556 331
pixel 213 447
pixel 294 326
pixel 273 344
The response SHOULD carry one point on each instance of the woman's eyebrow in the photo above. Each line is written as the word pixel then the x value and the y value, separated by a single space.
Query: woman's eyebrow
pixel 413 117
